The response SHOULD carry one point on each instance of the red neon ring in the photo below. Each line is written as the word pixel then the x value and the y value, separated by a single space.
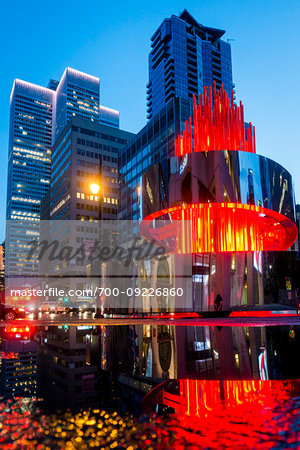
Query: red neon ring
pixel 219 227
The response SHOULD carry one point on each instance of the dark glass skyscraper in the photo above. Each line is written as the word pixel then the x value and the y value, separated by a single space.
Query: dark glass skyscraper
pixel 186 56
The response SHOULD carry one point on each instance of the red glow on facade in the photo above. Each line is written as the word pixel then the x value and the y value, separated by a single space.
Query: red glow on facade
pixel 219 227
pixel 218 124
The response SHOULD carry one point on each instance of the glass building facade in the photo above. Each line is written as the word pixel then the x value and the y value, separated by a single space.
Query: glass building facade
pixel 152 144
pixel 71 211
pixel 37 116
pixel 75 164
pixel 186 56
pixel 29 165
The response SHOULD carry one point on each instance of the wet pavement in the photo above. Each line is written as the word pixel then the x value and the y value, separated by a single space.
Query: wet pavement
pixel 87 384
pixel 54 319
pixel 272 422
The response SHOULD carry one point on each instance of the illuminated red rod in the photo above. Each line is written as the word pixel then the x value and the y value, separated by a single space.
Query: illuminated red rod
pixel 218 124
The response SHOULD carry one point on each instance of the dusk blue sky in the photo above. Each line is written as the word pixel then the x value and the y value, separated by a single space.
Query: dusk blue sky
pixel 112 40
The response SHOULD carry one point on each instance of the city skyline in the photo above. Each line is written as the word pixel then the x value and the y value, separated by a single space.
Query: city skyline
pixel 261 91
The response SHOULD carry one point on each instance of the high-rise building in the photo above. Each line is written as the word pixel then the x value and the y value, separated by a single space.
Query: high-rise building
pixel 77 94
pixel 29 164
pixel 31 118
pixel 186 56
pixel 82 150
pixel 37 116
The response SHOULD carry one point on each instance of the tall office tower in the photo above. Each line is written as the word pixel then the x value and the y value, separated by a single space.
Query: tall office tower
pixel 298 222
pixel 37 115
pixel 186 56
pixel 77 94
pixel 82 150
pixel 29 164
pixel 75 165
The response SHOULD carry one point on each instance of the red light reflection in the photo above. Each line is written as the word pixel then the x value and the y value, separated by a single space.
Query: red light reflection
pixel 230 413
pixel 201 396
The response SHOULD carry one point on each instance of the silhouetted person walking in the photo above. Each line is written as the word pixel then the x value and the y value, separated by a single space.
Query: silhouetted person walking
pixel 218 303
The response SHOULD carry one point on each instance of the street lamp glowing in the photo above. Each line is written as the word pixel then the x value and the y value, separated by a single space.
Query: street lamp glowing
pixel 95 188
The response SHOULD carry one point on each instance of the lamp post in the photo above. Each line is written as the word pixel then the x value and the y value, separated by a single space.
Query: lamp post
pixel 96 188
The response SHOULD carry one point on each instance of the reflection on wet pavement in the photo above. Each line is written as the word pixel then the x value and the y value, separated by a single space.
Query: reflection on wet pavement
pixel 147 385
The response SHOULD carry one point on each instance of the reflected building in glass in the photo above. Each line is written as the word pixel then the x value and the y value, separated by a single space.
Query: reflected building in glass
pixel 185 56
pixel 18 368
pixel 66 378
pixel 145 359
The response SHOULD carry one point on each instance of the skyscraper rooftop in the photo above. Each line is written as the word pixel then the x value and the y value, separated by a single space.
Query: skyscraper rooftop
pixel 184 57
